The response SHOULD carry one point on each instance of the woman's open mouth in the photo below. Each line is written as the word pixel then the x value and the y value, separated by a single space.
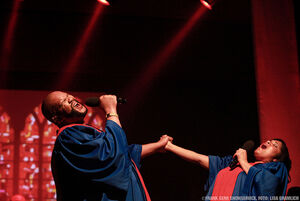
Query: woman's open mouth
pixel 263 146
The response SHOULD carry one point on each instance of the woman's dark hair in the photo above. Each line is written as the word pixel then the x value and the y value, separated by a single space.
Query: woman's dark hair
pixel 284 155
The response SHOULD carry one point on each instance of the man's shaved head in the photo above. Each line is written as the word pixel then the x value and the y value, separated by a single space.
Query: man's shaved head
pixel 62 108
pixel 50 105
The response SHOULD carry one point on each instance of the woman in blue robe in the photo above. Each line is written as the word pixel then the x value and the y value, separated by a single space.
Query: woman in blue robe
pixel 92 165
pixel 266 179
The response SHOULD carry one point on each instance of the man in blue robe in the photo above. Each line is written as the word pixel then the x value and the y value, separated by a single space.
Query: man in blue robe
pixel 93 165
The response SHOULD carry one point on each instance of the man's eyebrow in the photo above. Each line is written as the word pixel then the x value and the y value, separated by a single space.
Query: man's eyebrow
pixel 63 100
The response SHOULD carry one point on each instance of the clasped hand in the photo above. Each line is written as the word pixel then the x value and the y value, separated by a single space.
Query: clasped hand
pixel 163 141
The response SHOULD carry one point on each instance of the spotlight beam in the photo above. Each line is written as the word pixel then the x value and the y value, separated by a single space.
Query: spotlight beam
pixel 139 87
pixel 72 66
pixel 7 41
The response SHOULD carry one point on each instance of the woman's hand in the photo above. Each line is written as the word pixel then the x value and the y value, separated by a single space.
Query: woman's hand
pixel 159 146
pixel 163 141
pixel 241 155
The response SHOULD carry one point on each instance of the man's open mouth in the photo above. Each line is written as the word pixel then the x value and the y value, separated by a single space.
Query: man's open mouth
pixel 76 104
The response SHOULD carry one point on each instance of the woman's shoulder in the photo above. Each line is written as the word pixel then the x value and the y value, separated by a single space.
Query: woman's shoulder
pixel 273 166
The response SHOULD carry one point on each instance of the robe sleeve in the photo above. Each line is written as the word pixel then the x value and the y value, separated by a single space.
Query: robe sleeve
pixel 100 157
pixel 268 180
pixel 216 164
pixel 135 151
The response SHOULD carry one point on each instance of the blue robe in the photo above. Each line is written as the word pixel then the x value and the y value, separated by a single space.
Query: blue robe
pixel 264 181
pixel 90 165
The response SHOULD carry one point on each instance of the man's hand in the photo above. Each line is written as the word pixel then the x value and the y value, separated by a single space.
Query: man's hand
pixel 109 103
pixel 159 146
pixel 163 141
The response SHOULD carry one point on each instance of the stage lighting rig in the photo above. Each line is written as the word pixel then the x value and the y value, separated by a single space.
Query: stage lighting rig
pixel 208 3
pixel 105 2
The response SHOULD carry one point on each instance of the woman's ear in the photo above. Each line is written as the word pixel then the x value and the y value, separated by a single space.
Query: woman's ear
pixel 275 160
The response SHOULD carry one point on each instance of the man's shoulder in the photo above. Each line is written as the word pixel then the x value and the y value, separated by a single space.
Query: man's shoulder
pixel 78 134
pixel 77 128
pixel 109 123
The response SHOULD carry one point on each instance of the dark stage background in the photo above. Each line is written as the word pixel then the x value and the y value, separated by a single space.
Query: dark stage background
pixel 204 96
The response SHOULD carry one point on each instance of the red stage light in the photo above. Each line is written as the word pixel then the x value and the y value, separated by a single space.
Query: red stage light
pixel 104 2
pixel 73 65
pixel 8 41
pixel 157 64
pixel 208 3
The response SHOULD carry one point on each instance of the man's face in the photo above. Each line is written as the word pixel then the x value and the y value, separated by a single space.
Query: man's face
pixel 268 151
pixel 70 109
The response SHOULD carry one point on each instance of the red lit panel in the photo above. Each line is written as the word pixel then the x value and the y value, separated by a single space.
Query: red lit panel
pixel 6 155
pixel 28 189
pixel 47 152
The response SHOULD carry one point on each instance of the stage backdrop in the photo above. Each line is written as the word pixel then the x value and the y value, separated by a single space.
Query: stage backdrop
pixel 277 75
pixel 26 142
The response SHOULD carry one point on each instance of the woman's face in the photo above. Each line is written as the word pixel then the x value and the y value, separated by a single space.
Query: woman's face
pixel 268 151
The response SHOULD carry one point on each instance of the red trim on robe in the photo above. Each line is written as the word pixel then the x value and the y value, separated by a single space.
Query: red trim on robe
pixel 142 181
pixel 70 125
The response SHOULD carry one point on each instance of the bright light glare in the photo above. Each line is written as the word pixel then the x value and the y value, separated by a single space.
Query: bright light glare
pixel 104 2
pixel 206 4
